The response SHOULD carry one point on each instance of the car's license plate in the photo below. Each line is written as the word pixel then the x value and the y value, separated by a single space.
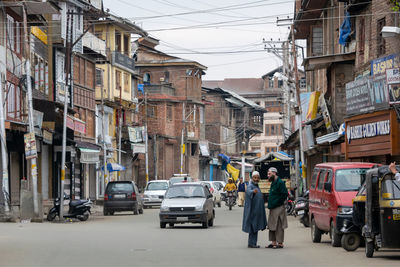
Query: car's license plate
pixel 300 212
pixel 396 217
pixel 181 219
pixel 119 196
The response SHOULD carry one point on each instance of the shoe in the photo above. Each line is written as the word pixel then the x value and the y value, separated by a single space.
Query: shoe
pixel 253 246
pixel 270 246
pixel 278 246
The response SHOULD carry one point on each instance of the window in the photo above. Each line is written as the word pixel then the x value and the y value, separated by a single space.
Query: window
pixel 321 179
pixel 10 33
pixel 18 37
pixel 280 84
pixel 273 132
pixel 118 80
pixel 193 149
pixel 266 129
pixel 152 111
pixel 380 42
pixel 271 83
pixel 349 179
pixel 329 177
pixel 189 72
pixel 169 113
pixel 361 35
pixel 118 46
pixel 2 33
pixel 303 83
pixel 146 78
pixel 14 102
pixel 126 45
pixel 317 41
pixel 314 178
pixel 166 77
pixel 266 150
pixel 126 82
pixel 99 77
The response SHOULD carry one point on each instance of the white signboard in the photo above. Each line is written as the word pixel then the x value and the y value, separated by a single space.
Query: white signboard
pixel 138 148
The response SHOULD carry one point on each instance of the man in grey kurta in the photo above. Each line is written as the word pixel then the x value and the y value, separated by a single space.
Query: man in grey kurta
pixel 254 217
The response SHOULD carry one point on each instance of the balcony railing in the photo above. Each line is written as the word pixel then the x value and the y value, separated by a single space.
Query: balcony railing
pixel 162 89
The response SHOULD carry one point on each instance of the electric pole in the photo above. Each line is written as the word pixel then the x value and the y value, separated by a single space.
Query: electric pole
pixel 4 163
pixel 146 139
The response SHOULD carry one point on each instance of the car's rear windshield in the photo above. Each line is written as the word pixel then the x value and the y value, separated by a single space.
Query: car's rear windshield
pixel 119 187
pixel 174 180
pixel 349 179
pixel 157 186
pixel 185 191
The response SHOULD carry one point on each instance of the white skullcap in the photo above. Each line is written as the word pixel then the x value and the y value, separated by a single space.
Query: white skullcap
pixel 255 173
pixel 273 169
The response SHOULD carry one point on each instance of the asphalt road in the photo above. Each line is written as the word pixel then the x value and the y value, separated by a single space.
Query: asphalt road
pixel 128 240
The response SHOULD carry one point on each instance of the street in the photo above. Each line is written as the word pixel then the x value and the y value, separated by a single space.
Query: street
pixel 127 240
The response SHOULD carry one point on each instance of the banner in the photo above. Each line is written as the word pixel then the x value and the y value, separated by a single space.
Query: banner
pixel 393 82
pixel 30 146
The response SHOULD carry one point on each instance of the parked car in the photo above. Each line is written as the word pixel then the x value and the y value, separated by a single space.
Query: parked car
pixel 333 187
pixel 214 189
pixel 187 203
pixel 122 196
pixel 154 193
pixel 179 178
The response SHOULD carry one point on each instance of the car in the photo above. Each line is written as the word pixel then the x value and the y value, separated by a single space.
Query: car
pixel 187 203
pixel 179 178
pixel 154 193
pixel 214 189
pixel 332 189
pixel 122 196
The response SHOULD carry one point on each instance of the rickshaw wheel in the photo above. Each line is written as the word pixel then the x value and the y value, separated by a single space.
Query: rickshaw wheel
pixel 369 248
pixel 351 242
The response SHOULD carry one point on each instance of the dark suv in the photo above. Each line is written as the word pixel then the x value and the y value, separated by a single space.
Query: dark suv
pixel 122 196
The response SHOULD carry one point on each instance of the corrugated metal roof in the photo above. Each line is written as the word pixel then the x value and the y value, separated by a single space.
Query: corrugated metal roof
pixel 328 138
pixel 272 156
pixel 244 100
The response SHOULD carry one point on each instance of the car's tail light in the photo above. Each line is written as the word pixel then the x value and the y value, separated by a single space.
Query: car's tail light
pixel 212 190
pixel 134 196
pixel 105 197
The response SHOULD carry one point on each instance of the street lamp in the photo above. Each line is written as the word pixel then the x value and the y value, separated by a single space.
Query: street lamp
pixel 390 31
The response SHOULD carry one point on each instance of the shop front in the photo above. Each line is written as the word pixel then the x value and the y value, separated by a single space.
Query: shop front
pixel 373 137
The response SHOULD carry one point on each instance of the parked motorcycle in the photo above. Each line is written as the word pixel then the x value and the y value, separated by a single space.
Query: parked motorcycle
pixel 79 209
pixel 301 209
pixel 230 199
pixel 290 203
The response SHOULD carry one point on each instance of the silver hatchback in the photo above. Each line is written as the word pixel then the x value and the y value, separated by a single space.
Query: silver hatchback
pixel 187 203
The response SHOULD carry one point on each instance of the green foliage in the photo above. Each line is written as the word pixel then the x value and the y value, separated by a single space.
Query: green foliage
pixel 396 4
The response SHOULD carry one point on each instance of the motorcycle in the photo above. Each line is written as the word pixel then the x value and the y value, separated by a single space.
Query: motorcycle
pixel 230 199
pixel 301 209
pixel 290 204
pixel 79 209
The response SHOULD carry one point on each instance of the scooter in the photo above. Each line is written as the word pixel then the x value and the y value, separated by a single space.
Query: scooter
pixel 79 209
pixel 301 209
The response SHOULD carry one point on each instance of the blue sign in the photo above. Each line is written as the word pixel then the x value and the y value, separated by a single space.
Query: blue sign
pixel 140 87
pixel 379 65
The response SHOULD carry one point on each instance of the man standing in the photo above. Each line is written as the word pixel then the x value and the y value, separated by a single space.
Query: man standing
pixel 277 212
pixel 254 218
pixel 241 191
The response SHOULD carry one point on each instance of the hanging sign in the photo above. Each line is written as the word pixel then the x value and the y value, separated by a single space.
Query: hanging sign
pixel 30 146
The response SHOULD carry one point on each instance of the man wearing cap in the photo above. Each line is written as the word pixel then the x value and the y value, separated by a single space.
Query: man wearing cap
pixel 254 217
pixel 277 212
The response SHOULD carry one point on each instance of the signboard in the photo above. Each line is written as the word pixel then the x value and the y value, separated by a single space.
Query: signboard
pixel 325 113
pixel 204 148
pixel 30 146
pixel 47 137
pixel 138 148
pixel 379 65
pixel 123 61
pixel 393 82
pixel 37 122
pixel 76 124
pixel 366 94
pixel 136 134
pixel 367 130
pixel 38 33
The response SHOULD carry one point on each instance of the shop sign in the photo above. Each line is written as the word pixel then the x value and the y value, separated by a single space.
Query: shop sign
pixel 136 134
pixel 47 137
pixel 367 130
pixel 379 65
pixel 393 82
pixel 76 125
pixel 325 113
pixel 138 148
pixel 30 146
pixel 366 94
pixel 41 35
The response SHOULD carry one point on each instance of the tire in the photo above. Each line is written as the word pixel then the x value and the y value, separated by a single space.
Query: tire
pixel 230 207
pixel 335 236
pixel 171 225
pixel 84 217
pixel 351 241
pixel 369 249
pixel 135 210
pixel 51 216
pixel 163 225
pixel 111 212
pixel 204 224
pixel 315 232
pixel 141 211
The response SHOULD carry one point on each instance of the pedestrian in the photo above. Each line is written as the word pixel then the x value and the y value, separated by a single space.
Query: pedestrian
pixel 254 217
pixel 241 191
pixel 277 212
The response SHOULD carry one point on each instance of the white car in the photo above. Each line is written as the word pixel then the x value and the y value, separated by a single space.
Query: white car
pixel 215 191
pixel 154 193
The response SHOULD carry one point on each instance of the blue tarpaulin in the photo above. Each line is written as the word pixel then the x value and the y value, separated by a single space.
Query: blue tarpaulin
pixel 225 161
pixel 114 167
pixel 345 30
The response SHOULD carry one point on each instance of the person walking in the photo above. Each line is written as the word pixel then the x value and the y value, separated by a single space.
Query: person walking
pixel 254 217
pixel 277 212
pixel 241 191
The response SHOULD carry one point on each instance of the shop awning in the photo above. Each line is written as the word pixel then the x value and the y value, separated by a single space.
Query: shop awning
pixel 320 62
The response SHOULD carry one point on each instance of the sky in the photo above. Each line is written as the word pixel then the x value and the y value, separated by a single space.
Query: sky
pixel 226 36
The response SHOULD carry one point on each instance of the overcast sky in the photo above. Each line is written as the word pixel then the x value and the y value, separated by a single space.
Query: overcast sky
pixel 226 36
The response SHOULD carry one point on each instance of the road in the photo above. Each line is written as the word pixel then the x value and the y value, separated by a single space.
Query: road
pixel 128 240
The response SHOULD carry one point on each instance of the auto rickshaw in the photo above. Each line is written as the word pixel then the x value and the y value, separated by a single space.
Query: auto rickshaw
pixel 351 230
pixel 382 210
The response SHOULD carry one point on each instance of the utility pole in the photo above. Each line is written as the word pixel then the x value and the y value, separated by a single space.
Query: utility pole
pixel 119 129
pixel 103 134
pixel 182 136
pixel 296 79
pixel 33 164
pixel 146 139
pixel 244 150
pixel 64 138
pixel 4 162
